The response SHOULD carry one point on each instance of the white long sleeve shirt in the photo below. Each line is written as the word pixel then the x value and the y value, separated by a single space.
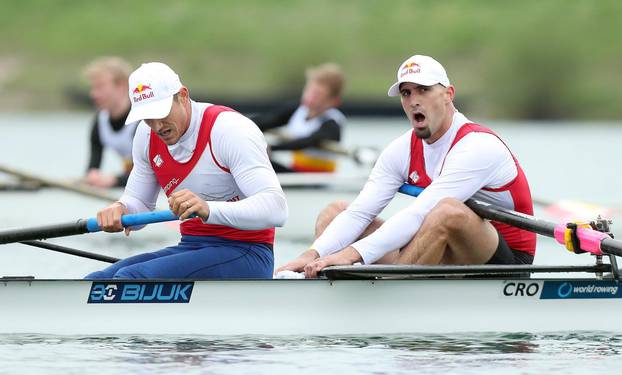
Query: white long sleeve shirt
pixel 478 160
pixel 238 145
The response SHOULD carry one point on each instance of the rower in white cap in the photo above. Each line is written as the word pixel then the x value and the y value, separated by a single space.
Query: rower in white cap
pixel 453 159
pixel 211 162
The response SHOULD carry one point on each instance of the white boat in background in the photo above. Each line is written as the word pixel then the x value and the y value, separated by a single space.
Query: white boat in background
pixel 392 300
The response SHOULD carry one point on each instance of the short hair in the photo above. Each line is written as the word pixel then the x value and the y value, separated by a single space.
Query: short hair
pixel 330 75
pixel 116 66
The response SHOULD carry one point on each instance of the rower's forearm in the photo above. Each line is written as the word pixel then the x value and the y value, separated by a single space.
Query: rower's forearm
pixel 395 233
pixel 266 209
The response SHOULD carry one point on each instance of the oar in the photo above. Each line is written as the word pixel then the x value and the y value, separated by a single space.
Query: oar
pixel 21 186
pixel 362 155
pixel 70 251
pixel 592 241
pixel 84 190
pixel 81 226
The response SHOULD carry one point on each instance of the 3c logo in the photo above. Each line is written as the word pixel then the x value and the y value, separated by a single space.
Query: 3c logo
pixel 110 292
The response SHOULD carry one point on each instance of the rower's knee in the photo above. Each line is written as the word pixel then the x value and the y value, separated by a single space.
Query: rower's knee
pixel 450 214
pixel 328 214
pixel 336 207
pixel 98 275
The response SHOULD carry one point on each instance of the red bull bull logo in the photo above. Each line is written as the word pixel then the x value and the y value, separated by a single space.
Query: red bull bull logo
pixel 141 94
pixel 410 68
pixel 140 88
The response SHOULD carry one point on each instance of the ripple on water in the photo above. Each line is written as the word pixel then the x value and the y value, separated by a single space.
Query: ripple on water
pixel 573 353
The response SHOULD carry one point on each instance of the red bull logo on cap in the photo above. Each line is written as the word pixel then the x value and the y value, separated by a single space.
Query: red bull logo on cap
pixel 140 88
pixel 141 94
pixel 410 68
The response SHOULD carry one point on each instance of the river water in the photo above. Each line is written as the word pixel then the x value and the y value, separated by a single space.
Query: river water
pixel 576 162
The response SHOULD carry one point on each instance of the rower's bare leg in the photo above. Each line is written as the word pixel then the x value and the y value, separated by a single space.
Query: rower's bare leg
pixel 328 214
pixel 451 234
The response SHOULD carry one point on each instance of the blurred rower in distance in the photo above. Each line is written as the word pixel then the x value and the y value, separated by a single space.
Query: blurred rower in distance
pixel 313 121
pixel 108 78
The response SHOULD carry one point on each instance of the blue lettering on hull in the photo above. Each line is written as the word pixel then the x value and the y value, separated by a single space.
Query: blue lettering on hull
pixel 140 292
pixel 580 289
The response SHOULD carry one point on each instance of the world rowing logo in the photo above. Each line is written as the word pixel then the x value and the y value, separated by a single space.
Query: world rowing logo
pixel 564 290
pixel 410 68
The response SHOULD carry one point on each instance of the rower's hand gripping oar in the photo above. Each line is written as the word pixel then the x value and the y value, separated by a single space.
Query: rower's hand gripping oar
pixel 589 240
pixel 82 226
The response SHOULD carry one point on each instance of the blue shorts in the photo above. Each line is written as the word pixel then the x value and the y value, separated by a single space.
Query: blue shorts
pixel 196 257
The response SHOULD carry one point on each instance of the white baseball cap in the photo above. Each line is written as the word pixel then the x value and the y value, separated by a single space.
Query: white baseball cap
pixel 151 91
pixel 422 70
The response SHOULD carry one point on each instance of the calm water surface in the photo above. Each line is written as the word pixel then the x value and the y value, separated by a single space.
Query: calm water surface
pixel 578 161
pixel 572 353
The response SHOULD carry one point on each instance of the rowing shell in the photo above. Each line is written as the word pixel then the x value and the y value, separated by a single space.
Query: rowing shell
pixel 423 304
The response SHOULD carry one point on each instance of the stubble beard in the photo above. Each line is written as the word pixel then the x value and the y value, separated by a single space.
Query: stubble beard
pixel 423 133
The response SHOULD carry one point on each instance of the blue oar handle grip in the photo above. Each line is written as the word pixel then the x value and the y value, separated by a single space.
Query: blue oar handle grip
pixel 411 190
pixel 144 218
pixel 141 218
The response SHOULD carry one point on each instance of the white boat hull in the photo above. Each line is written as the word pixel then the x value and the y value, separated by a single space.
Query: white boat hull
pixel 314 307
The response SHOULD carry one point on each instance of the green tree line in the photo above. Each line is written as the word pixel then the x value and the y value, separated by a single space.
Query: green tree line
pixel 507 59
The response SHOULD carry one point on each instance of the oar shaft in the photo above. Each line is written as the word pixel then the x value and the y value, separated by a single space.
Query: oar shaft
pixel 611 246
pixel 516 219
pixel 81 226
pixel 335 147
pixel 70 251
pixel 592 241
pixel 84 190
pixel 491 212
pixel 43 232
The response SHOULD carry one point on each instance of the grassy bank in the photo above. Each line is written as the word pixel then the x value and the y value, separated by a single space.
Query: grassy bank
pixel 527 59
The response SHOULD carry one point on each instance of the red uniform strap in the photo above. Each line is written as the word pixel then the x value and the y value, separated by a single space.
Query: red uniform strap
pixel 416 171
pixel 170 173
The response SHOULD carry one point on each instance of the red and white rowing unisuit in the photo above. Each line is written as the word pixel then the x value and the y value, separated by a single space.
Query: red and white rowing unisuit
pixel 479 165
pixel 222 158
pixel 518 199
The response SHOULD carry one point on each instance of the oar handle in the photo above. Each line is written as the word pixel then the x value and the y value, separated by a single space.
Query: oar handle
pixel 141 218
